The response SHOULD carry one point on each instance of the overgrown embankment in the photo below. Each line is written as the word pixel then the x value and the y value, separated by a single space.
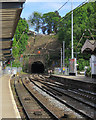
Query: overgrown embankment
pixel 46 44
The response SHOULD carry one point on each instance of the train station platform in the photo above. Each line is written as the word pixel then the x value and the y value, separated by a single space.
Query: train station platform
pixel 7 102
pixel 76 82
pixel 81 78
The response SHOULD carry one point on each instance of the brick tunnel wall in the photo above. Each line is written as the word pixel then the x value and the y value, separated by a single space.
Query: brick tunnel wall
pixel 33 59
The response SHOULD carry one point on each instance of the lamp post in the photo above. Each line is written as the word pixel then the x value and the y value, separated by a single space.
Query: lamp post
pixel 72 28
pixel 63 53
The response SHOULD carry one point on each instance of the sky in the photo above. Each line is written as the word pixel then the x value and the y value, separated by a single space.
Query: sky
pixel 45 6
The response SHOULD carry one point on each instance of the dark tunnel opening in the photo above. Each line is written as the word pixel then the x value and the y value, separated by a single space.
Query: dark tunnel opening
pixel 37 67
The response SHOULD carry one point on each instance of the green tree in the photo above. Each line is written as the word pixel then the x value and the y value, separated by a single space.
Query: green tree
pixel 84 18
pixel 46 22
pixel 36 20
pixel 19 41
pixel 43 29
pixel 21 37
pixel 15 48
pixel 51 20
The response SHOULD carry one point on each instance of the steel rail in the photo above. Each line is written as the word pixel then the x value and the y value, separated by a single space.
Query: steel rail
pixel 75 98
pixel 52 87
pixel 53 115
pixel 24 109
pixel 92 95
pixel 59 99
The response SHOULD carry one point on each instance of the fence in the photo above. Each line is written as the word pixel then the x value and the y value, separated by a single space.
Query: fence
pixel 13 70
pixel 59 71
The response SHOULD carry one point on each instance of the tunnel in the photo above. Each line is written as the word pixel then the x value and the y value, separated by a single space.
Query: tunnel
pixel 37 67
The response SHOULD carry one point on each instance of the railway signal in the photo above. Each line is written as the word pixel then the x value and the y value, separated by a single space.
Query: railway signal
pixel 39 52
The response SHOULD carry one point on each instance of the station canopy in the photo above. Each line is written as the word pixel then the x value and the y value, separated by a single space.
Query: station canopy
pixel 89 47
pixel 10 11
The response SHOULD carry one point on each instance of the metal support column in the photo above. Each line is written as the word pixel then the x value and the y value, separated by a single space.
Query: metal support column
pixel 61 59
pixel 72 27
pixel 63 53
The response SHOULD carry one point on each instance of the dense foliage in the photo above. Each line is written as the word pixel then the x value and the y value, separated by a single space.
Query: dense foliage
pixel 84 22
pixel 20 40
pixel 21 37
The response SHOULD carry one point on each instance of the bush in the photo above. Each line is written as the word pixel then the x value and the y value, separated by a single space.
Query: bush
pixel 82 63
pixel 88 72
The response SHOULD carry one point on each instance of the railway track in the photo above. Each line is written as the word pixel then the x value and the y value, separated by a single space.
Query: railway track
pixel 89 96
pixel 33 108
pixel 86 98
pixel 81 101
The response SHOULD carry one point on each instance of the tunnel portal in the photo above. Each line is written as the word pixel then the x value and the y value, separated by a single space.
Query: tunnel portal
pixel 37 67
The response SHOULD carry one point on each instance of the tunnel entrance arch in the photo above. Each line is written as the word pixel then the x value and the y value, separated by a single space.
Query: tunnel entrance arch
pixel 37 67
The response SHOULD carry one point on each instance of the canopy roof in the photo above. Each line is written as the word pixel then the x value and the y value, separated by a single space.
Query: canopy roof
pixel 10 11
pixel 12 0
pixel 9 18
pixel 89 46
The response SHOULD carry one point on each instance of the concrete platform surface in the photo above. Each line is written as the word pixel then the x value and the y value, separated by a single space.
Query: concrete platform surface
pixel 9 108
pixel 78 77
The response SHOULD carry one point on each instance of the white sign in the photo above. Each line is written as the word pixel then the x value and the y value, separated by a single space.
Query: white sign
pixel 93 64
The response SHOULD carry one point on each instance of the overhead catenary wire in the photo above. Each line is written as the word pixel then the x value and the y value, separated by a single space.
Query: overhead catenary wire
pixel 63 5
pixel 91 34
pixel 78 7
pixel 83 3
pixel 75 9
pixel 19 39
pixel 83 36
pixel 80 40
